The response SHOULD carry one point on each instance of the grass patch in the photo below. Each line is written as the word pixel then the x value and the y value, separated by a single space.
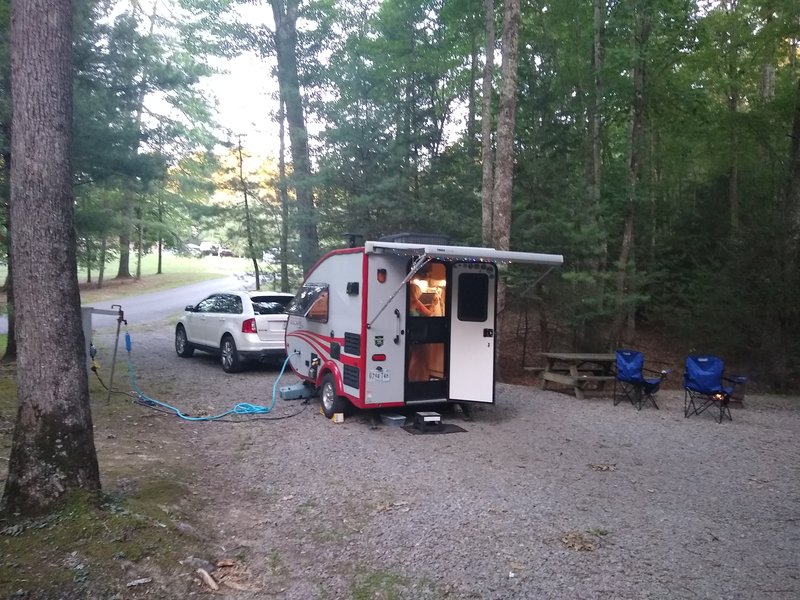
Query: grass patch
pixel 175 272
pixel 142 529
pixel 369 584
pixel 87 550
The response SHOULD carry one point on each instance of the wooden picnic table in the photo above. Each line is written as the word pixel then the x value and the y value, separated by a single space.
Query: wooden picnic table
pixel 577 370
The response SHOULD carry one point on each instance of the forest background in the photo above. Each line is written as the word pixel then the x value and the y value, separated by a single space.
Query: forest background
pixel 655 147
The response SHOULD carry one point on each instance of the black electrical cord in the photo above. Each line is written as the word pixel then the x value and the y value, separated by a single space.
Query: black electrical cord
pixel 100 379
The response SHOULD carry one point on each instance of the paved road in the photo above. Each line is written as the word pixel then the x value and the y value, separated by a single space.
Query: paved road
pixel 155 305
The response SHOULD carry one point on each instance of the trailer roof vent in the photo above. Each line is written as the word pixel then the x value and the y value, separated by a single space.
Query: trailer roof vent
pixel 351 239
pixel 417 238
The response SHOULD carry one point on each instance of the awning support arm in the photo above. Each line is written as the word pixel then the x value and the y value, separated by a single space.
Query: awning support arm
pixel 419 262
pixel 533 285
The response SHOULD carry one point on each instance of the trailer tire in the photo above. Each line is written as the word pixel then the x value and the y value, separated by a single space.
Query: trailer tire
pixel 331 401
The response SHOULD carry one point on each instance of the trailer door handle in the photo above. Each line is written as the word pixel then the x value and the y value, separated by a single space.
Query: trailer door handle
pixel 488 333
pixel 398 323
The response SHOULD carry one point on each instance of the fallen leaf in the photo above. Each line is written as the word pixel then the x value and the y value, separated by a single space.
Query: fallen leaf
pixel 207 579
pixel 604 467
pixel 578 542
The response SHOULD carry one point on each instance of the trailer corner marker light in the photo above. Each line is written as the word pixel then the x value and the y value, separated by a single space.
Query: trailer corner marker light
pixel 381 275
pixel 378 357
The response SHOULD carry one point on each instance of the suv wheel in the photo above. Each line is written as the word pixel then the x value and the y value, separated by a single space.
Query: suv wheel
pixel 182 345
pixel 229 356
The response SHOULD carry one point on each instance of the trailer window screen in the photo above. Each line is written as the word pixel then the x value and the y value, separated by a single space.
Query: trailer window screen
pixel 311 302
pixel 473 297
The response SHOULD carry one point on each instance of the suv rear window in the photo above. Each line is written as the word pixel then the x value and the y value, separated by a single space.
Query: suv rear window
pixel 269 307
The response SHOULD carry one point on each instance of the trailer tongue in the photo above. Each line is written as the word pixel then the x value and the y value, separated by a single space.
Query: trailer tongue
pixel 395 324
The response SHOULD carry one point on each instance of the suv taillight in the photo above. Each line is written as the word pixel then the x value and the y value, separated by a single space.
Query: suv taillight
pixel 249 326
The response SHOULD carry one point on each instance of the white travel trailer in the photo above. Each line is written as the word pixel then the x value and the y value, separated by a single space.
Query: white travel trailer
pixel 395 324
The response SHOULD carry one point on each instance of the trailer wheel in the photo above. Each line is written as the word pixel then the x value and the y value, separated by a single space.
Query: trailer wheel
pixel 331 401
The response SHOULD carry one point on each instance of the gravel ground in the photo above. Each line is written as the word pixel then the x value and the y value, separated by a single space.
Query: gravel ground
pixel 543 495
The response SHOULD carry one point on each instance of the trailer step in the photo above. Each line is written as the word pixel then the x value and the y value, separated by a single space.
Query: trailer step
pixel 426 420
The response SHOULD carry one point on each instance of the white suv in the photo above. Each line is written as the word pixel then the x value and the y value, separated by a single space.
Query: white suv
pixel 237 326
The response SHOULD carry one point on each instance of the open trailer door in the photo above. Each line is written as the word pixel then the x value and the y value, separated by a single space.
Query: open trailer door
pixel 472 328
pixel 472 287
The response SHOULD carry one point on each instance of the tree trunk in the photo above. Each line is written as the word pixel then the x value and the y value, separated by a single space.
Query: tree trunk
pixel 504 157
pixel 124 271
pixel 793 171
pixel 595 124
pixel 139 241
pixel 790 286
pixel 102 268
pixel 53 450
pixel 733 174
pixel 642 26
pixel 487 147
pixel 160 202
pixel 283 194
pixel 474 59
pixel 285 16
pixel 247 219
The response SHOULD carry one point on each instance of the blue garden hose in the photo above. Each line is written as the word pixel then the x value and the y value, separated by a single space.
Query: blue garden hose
pixel 243 408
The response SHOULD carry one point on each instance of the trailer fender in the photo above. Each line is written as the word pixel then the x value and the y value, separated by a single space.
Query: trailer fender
pixel 331 367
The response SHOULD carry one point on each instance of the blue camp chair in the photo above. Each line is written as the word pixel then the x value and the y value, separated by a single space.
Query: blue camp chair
pixel 704 385
pixel 631 382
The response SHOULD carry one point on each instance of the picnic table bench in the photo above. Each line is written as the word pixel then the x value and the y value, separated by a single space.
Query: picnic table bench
pixel 578 370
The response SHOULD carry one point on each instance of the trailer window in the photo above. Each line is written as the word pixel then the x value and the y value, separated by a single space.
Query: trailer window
pixel 311 302
pixel 473 297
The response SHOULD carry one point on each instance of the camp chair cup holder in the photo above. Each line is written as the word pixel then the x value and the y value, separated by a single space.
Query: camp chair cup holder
pixel 706 387
pixel 630 382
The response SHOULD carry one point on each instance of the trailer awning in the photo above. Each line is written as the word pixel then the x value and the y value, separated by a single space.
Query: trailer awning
pixel 463 253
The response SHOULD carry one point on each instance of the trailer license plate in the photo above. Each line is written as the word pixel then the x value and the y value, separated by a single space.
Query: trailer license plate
pixel 375 375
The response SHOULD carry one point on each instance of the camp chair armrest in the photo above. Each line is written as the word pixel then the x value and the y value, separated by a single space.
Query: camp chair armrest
pixel 662 373
pixel 739 379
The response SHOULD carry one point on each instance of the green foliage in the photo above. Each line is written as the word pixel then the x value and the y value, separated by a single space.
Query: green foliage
pixel 396 88
pixel 138 168
pixel 395 76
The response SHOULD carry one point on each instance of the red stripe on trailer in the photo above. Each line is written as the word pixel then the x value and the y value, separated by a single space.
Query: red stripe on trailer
pixel 363 362
pixel 318 342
